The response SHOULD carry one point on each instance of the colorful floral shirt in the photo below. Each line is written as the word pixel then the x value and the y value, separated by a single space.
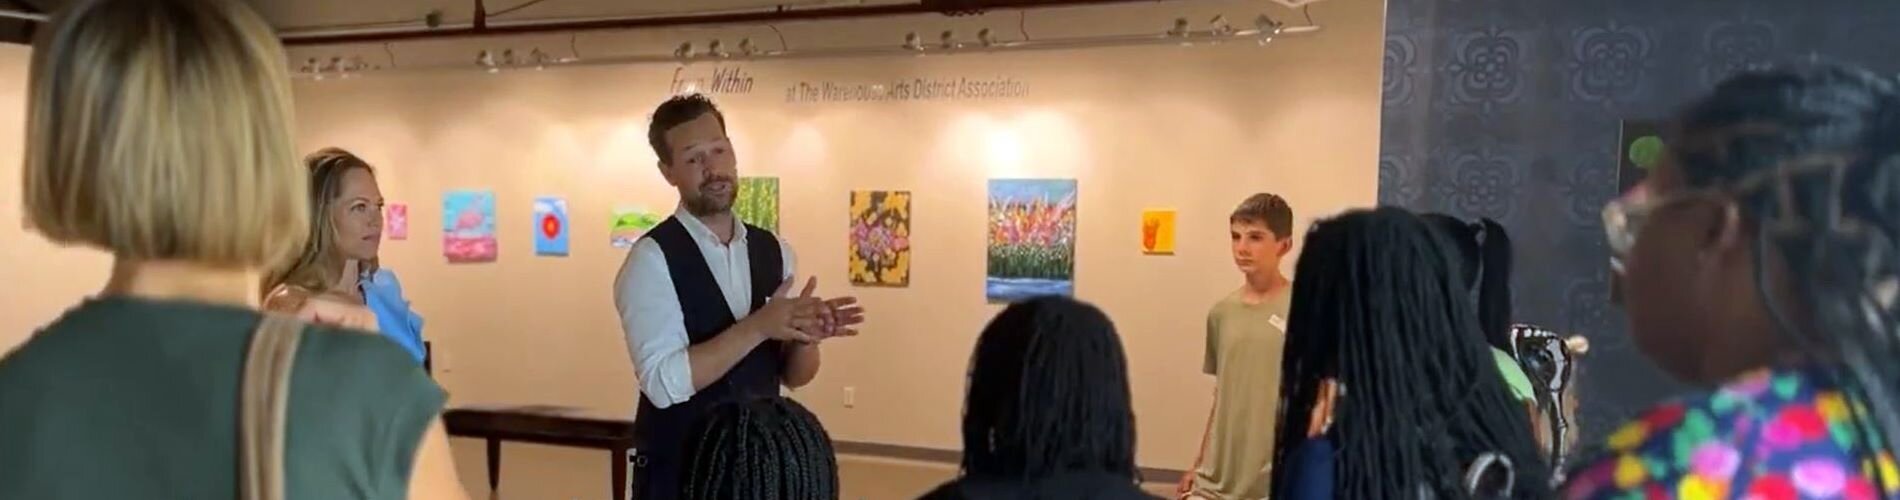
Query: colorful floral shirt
pixel 1770 435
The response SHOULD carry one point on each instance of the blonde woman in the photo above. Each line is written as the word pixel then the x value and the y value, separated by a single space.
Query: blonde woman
pixel 159 131
pixel 336 279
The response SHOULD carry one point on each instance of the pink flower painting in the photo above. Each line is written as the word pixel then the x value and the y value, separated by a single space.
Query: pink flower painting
pixel 468 226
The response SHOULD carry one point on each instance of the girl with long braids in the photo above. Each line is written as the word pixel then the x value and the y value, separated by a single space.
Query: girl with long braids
pixel 1387 389
pixel 1763 255
pixel 1047 414
pixel 1536 363
pixel 1483 251
pixel 765 449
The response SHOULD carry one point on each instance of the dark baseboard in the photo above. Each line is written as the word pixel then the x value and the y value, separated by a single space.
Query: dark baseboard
pixel 954 457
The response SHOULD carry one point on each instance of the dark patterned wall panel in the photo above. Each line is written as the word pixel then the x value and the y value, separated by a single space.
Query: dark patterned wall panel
pixel 1510 109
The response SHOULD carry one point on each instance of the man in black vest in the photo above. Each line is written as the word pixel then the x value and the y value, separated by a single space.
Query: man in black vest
pixel 703 302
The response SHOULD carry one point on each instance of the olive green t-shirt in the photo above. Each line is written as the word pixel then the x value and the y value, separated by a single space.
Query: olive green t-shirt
pixel 133 398
pixel 1245 343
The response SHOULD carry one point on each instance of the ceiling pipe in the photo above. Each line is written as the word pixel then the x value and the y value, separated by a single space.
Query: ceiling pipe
pixel 24 16
pixel 1098 41
pixel 481 26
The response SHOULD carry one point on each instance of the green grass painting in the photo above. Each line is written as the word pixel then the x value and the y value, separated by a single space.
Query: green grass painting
pixel 757 203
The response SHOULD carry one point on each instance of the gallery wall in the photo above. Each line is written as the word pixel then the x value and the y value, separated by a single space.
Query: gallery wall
pixel 1512 110
pixel 1192 129
pixel 43 279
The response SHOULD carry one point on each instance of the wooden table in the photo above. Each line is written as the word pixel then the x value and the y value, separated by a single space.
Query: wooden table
pixel 549 425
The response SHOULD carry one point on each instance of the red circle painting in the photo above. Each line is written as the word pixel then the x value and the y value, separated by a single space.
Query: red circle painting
pixel 550 225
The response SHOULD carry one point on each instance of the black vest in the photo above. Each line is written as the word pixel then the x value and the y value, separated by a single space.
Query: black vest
pixel 660 433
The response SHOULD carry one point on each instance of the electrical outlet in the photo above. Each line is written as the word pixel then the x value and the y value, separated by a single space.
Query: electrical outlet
pixel 850 397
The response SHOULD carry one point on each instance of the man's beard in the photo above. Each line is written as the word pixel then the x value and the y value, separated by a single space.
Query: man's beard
pixel 702 204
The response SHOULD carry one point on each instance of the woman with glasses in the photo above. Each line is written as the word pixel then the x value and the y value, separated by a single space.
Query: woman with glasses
pixel 1763 256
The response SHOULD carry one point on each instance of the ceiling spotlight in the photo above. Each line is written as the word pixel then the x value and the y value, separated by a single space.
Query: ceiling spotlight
pixel 985 38
pixel 684 51
pixel 349 67
pixel 309 66
pixel 539 58
pixel 716 48
pixel 1267 28
pixel 913 42
pixel 1220 26
pixel 334 66
pixel 1180 28
pixel 508 58
pixel 747 48
pixel 949 40
pixel 486 58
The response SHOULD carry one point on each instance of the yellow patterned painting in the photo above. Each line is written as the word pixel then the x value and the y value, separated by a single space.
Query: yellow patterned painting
pixel 880 238
pixel 1157 232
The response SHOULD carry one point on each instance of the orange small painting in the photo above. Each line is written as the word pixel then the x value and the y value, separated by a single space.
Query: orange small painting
pixel 1157 232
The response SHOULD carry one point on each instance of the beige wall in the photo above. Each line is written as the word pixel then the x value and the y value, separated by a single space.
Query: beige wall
pixel 41 279
pixel 1195 129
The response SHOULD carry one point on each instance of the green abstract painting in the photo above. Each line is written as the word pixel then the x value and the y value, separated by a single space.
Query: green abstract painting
pixel 631 222
pixel 758 202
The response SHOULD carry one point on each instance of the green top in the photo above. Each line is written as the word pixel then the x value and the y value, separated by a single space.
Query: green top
pixel 133 398
pixel 1514 375
pixel 1245 343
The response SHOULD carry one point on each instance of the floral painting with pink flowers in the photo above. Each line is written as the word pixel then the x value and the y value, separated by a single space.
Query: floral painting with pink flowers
pixel 397 224
pixel 1031 239
pixel 880 238
pixel 468 226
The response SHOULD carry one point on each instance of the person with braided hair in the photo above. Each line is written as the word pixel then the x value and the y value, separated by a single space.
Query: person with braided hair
pixel 768 449
pixel 1483 252
pixel 1047 414
pixel 1388 390
pixel 1760 256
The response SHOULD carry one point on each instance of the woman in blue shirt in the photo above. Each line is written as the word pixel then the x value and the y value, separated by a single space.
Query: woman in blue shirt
pixel 335 279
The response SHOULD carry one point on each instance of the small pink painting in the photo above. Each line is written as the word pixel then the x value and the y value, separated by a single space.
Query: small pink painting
pixel 396 222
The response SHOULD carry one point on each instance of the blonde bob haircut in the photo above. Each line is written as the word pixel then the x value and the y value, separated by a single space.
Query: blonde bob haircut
pixel 160 130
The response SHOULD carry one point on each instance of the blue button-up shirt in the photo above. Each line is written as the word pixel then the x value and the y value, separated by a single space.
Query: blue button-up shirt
pixel 393 316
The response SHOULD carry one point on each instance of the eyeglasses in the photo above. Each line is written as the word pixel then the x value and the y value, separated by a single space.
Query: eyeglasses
pixel 1623 218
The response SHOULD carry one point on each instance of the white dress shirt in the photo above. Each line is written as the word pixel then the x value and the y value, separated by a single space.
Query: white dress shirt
pixel 650 309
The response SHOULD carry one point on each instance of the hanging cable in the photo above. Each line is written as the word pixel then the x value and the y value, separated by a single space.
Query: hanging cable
pixel 574 45
pixel 1308 11
pixel 524 5
pixel 392 55
pixel 1022 24
pixel 782 46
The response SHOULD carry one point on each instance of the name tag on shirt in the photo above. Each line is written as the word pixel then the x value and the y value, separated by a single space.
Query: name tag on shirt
pixel 1277 322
